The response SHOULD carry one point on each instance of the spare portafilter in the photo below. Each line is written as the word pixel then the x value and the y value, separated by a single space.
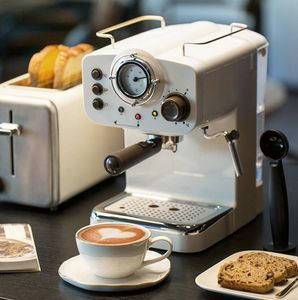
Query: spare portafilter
pixel 274 145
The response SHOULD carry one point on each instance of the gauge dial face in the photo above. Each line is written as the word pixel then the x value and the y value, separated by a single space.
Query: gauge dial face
pixel 133 79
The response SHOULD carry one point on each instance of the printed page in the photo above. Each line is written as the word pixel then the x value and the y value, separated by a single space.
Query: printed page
pixel 17 249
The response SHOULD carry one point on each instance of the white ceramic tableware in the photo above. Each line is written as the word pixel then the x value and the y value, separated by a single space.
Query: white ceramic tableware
pixel 118 260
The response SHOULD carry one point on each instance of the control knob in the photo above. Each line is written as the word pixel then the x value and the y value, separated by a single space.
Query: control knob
pixel 97 88
pixel 175 107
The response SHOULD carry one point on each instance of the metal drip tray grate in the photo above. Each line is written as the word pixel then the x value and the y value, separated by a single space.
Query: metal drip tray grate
pixel 173 212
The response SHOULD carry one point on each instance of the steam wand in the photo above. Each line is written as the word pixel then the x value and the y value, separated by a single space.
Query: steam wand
pixel 126 158
pixel 275 146
pixel 230 138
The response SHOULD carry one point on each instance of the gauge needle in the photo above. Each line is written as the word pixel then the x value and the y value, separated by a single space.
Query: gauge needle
pixel 137 78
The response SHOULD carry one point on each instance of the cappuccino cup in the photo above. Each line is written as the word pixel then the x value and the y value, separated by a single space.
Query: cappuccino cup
pixel 117 250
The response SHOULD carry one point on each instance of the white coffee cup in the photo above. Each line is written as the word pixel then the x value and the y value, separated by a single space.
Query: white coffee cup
pixel 117 250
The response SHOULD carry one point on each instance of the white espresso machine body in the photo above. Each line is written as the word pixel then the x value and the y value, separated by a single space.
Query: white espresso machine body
pixel 191 193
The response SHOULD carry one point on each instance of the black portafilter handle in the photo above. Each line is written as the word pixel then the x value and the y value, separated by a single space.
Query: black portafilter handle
pixel 275 146
pixel 126 158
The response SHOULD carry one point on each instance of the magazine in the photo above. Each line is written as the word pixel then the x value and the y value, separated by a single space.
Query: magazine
pixel 17 249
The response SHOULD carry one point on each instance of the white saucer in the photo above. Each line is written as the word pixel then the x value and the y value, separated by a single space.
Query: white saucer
pixel 75 272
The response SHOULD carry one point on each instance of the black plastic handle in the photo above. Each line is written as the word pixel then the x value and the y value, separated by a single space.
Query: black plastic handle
pixel 274 144
pixel 278 206
pixel 126 158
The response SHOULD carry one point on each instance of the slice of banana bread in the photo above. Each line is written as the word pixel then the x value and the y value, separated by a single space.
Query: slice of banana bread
pixel 267 261
pixel 244 276
pixel 291 266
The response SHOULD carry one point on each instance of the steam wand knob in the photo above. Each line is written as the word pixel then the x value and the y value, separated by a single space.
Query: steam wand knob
pixel 275 146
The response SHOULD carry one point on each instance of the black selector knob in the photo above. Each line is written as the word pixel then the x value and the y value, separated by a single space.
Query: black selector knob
pixel 175 108
pixel 96 74
pixel 97 88
pixel 98 104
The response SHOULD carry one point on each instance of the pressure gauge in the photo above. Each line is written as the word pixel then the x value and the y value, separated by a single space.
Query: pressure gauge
pixel 133 79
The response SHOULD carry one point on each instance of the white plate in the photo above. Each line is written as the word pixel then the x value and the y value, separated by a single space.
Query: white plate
pixel 208 280
pixel 75 272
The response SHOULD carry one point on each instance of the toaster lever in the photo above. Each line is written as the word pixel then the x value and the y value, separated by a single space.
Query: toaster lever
pixel 9 129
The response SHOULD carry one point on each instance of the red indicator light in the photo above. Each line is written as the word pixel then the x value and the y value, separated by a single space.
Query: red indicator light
pixel 138 117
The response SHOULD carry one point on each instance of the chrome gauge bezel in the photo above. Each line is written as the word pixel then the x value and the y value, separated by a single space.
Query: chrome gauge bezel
pixel 150 76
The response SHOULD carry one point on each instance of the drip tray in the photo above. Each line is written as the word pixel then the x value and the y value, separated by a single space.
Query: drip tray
pixel 154 211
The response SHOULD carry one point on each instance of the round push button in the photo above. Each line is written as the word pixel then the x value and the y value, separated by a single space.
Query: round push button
pixel 121 109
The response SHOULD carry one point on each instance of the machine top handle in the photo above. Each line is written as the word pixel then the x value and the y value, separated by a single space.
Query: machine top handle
pixel 104 32
pixel 240 27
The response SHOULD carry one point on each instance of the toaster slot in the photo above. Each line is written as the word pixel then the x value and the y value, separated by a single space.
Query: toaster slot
pixel 9 130
pixel 12 166
pixel 24 81
pixel 21 81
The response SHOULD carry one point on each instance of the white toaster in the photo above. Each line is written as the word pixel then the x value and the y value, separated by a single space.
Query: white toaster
pixel 49 149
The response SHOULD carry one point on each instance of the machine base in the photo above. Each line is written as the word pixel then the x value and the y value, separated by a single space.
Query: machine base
pixel 270 247
pixel 206 225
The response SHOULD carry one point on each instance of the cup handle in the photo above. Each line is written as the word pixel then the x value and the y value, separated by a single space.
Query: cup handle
pixel 165 255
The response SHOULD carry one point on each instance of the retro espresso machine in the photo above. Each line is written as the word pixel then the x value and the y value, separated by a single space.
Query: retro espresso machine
pixel 190 100
pixel 49 149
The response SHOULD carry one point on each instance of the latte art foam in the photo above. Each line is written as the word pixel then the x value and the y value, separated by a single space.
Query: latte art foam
pixel 109 234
